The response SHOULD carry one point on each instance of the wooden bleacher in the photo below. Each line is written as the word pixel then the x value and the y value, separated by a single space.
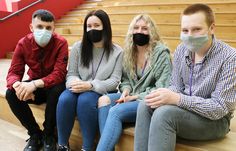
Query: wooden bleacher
pixel 166 13
pixel 126 141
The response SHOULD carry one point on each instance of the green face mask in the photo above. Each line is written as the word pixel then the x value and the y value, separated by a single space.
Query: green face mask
pixel 194 43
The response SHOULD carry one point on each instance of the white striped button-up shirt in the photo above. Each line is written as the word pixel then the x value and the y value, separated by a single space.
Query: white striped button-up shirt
pixel 213 80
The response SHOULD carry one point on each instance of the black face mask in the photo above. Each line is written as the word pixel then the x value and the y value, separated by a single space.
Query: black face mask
pixel 140 39
pixel 95 35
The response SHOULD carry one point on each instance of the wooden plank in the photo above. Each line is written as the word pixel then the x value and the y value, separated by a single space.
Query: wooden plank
pixel 225 144
pixel 167 17
pixel 162 1
pixel 5 112
pixel 140 7
pixel 171 17
pixel 165 30
pixel 38 111
pixel 126 141
pixel 172 42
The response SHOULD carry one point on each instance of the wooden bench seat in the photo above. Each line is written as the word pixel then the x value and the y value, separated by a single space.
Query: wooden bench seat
pixel 167 15
pixel 226 144
pixel 127 139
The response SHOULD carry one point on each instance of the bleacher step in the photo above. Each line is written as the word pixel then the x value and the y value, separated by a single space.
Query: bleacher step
pixel 126 141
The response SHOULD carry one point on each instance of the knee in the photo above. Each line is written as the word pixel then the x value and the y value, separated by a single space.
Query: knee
pixel 66 98
pixel 142 107
pixel 88 100
pixel 103 101
pixel 164 114
pixel 143 111
pixel 116 111
pixel 10 95
pixel 57 89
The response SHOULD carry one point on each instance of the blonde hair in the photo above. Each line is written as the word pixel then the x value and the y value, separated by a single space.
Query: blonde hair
pixel 130 49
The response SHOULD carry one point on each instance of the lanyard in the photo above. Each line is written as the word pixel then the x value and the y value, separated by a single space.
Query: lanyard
pixel 143 69
pixel 93 71
pixel 191 75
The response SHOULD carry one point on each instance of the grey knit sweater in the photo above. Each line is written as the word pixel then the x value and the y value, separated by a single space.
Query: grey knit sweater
pixel 109 71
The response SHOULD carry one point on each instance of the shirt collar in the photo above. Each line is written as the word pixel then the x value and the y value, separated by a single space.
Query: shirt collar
pixel 211 49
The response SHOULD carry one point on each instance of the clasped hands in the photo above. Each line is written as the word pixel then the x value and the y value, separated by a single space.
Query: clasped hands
pixel 78 86
pixel 24 90
pixel 162 96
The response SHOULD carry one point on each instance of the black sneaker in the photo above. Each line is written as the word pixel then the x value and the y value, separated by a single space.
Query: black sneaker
pixel 63 148
pixel 49 143
pixel 34 143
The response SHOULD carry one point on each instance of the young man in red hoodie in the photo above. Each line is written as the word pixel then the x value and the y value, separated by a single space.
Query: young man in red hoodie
pixel 46 55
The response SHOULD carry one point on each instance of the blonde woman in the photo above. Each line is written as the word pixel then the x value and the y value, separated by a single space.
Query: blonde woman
pixel 146 67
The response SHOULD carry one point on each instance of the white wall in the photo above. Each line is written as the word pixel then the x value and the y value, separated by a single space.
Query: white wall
pixel 9 4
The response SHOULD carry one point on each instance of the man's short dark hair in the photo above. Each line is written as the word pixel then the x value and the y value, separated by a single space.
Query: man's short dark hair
pixel 43 15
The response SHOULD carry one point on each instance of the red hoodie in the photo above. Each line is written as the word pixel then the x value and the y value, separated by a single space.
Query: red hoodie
pixel 48 63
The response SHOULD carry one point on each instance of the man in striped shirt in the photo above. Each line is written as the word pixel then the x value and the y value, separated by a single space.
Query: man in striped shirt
pixel 202 95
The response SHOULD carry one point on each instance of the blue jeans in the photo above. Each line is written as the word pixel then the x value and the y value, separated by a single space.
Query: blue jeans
pixel 85 105
pixel 156 130
pixel 111 118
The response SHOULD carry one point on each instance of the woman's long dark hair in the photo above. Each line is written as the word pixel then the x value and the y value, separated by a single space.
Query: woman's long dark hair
pixel 87 45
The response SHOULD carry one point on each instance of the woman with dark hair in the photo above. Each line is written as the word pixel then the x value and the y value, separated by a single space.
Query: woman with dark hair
pixel 95 68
